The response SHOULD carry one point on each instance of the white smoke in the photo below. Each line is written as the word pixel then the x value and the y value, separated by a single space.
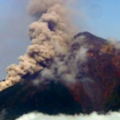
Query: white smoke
pixel 114 42
pixel 93 116
pixel 82 54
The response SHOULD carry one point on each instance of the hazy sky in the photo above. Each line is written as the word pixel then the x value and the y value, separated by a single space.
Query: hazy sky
pixel 101 17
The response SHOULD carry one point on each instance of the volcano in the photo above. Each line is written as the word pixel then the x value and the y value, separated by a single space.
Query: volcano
pixel 95 65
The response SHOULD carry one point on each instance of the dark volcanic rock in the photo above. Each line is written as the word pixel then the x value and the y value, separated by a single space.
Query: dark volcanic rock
pixel 50 98
pixel 98 74
pixel 91 39
pixel 96 85
pixel 113 101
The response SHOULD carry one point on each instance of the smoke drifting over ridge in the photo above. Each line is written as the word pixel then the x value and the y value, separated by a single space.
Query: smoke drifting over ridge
pixel 49 38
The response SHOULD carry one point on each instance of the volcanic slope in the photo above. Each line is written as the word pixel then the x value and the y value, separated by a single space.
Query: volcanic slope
pixel 89 82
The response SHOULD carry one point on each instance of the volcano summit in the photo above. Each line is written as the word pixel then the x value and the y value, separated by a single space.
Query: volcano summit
pixel 84 80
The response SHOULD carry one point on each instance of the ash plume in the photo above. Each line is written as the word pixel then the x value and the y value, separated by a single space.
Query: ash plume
pixel 49 38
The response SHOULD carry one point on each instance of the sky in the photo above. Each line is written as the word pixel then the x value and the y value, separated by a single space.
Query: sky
pixel 100 17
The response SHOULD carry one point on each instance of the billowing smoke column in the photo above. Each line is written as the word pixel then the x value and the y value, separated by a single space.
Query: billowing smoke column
pixel 49 38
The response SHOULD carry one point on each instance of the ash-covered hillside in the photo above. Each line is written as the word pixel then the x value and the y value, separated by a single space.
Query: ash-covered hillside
pixel 84 80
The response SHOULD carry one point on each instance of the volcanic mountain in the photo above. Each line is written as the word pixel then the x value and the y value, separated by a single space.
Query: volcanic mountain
pixel 90 83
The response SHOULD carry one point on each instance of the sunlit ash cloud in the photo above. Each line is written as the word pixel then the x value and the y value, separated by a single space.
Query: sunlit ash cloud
pixel 49 38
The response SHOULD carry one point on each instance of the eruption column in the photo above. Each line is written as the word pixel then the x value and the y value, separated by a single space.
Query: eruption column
pixel 49 38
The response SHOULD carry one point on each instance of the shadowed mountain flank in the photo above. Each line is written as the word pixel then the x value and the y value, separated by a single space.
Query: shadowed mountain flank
pixel 84 80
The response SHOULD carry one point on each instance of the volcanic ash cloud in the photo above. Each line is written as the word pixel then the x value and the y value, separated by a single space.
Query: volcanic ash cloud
pixel 49 38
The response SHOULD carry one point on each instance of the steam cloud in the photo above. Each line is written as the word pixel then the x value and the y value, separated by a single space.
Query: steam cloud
pixel 93 116
pixel 49 38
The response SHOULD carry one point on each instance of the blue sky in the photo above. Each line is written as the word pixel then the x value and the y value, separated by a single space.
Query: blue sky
pixel 100 17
